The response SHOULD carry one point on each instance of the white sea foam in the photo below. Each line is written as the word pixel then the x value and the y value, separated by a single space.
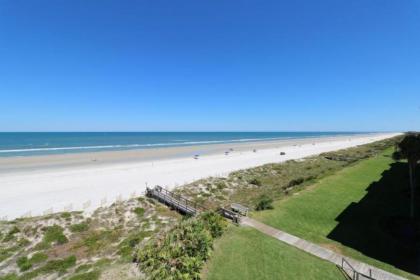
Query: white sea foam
pixel 130 146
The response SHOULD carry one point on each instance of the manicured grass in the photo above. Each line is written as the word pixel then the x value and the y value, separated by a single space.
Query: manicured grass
pixel 347 212
pixel 244 253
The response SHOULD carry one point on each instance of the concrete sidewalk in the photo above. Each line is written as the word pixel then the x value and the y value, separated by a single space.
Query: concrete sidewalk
pixel 320 252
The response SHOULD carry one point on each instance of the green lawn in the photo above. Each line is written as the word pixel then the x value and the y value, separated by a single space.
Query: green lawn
pixel 244 253
pixel 347 212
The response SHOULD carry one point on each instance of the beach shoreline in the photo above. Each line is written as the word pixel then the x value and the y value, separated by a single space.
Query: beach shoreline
pixel 103 158
pixel 37 185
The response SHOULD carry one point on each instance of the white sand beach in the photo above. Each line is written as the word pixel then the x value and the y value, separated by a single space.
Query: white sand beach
pixel 40 185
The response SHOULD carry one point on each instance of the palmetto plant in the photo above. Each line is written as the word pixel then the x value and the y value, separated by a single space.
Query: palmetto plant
pixel 409 149
pixel 181 252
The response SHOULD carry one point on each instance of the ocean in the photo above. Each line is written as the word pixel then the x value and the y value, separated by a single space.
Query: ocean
pixel 45 143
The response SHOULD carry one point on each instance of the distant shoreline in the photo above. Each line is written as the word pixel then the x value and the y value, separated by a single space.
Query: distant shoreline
pixel 101 158
pixel 26 144
pixel 43 184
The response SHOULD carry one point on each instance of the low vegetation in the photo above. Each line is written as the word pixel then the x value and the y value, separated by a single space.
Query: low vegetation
pixel 54 234
pixel 71 246
pixel 139 211
pixel 59 266
pixel 25 264
pixel 264 203
pixel 81 227
pixel 93 275
pixel 181 252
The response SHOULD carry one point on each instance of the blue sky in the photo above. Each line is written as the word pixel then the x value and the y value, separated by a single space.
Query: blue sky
pixel 209 65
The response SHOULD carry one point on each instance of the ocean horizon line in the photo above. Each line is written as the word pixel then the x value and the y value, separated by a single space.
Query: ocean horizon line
pixel 208 131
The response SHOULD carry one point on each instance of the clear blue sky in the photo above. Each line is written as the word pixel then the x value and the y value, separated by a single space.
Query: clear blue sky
pixel 213 65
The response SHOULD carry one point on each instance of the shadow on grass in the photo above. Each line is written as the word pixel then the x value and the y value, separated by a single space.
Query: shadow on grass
pixel 378 225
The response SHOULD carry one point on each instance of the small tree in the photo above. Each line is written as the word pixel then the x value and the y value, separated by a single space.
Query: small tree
pixel 409 148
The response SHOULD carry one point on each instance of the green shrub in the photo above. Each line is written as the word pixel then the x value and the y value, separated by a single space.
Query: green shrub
pixel 38 258
pixel 97 240
pixel 264 203
pixel 295 182
pixel 11 276
pixel 128 245
pixel 220 186
pixel 42 246
pixel 66 215
pixel 54 234
pixel 14 230
pixel 61 239
pixel 79 227
pixel 59 266
pixel 214 223
pixel 139 211
pixel 11 234
pixel 181 252
pixel 5 253
pixel 23 263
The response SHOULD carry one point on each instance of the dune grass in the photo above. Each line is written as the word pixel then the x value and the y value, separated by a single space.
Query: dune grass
pixel 244 253
pixel 68 244
pixel 347 211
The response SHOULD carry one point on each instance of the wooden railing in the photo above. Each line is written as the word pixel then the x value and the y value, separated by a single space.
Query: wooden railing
pixel 174 200
pixel 185 205
pixel 229 214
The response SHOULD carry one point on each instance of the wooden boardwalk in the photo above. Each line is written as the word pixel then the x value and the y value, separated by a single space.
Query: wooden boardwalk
pixel 188 207
pixel 174 201
pixel 354 268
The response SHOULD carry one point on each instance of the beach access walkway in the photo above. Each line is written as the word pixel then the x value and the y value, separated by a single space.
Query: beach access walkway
pixel 173 200
pixel 353 268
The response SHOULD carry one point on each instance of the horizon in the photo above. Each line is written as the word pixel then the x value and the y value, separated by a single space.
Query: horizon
pixel 220 131
pixel 209 66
